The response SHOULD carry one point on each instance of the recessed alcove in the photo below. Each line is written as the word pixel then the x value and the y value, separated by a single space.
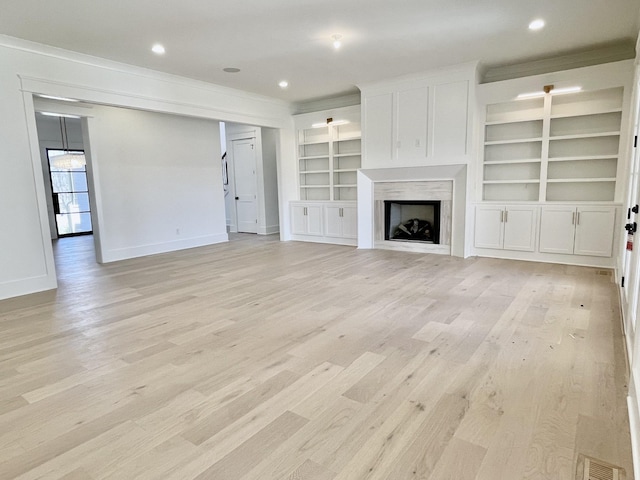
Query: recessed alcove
pixel 412 221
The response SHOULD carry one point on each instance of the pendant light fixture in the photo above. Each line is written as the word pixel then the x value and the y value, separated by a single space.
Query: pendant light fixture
pixel 68 160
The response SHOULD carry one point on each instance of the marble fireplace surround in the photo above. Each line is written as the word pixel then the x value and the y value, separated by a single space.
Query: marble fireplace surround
pixel 446 183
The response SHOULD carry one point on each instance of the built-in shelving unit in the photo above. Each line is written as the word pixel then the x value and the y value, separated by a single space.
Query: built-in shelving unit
pixel 328 160
pixel 553 147
pixel 329 156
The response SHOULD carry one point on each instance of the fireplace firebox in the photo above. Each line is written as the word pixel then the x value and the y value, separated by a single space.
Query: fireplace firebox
pixel 412 221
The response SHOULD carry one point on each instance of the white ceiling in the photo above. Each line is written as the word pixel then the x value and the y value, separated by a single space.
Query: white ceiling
pixel 290 39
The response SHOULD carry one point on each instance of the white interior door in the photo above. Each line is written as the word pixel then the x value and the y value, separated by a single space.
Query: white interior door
pixel 631 258
pixel 246 188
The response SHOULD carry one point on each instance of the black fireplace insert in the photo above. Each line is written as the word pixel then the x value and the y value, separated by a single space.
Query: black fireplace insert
pixel 412 220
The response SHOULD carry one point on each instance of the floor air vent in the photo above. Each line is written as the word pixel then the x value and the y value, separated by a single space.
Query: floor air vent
pixel 592 469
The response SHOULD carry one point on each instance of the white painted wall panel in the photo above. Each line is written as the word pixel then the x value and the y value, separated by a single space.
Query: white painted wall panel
pixel 450 122
pixel 413 108
pixel 378 131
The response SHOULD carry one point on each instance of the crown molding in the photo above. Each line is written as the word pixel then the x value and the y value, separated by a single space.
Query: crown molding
pixel 613 53
pixel 111 65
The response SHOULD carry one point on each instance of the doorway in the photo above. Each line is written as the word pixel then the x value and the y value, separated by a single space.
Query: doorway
pixel 70 194
pixel 246 186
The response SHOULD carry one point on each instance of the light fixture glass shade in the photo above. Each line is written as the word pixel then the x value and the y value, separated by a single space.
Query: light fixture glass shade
pixel 69 161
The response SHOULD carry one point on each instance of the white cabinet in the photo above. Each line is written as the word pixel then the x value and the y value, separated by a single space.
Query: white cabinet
pixel 341 220
pixel 506 227
pixel 584 230
pixel 419 121
pixel 324 222
pixel 306 219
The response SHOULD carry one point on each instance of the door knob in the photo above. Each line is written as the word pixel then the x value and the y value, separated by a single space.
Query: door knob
pixel 237 198
pixel 631 227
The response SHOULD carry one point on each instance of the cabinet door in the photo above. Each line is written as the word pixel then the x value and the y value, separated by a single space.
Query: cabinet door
pixel 350 222
pixel 594 231
pixel 298 220
pixel 489 227
pixel 378 130
pixel 520 228
pixel 557 229
pixel 341 221
pixel 333 221
pixel 412 111
pixel 450 118
pixel 314 219
pixel 306 219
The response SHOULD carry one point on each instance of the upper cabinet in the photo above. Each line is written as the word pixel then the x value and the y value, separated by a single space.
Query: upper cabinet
pixel 419 121
pixel 329 154
pixel 555 146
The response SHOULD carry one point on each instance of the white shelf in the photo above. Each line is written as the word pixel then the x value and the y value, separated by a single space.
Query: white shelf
pixel 601 112
pixel 313 157
pixel 345 170
pixel 346 185
pixel 508 162
pixel 347 139
pixel 304 172
pixel 504 182
pixel 585 135
pixel 340 155
pixel 580 180
pixel 315 186
pixel 583 157
pixel 507 122
pixel 519 140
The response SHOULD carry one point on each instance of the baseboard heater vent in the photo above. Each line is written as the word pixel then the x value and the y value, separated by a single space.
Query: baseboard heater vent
pixel 592 469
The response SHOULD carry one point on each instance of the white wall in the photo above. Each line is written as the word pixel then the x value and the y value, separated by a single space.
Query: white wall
pixel 270 177
pixel 26 258
pixel 160 187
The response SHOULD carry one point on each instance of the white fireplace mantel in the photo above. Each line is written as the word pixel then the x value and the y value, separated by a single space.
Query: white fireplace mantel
pixel 368 178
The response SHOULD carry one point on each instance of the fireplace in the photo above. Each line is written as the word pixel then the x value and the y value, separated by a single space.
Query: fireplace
pixel 412 221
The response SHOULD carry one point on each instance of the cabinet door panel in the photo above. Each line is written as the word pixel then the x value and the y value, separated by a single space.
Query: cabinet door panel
pixel 519 228
pixel 378 135
pixel 298 220
pixel 594 231
pixel 450 116
pixel 557 230
pixel 350 222
pixel 412 126
pixel 489 227
pixel 333 221
pixel 314 219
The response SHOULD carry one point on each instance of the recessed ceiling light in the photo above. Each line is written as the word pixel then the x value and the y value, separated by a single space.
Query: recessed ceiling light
pixel 337 41
pixel 158 49
pixel 231 70
pixel 536 24
pixel 283 84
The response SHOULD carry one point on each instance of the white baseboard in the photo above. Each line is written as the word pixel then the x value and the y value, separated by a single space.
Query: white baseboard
pixel 26 286
pixel 164 247
pixel 269 230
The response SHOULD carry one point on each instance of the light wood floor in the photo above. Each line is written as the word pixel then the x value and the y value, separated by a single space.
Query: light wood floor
pixel 258 360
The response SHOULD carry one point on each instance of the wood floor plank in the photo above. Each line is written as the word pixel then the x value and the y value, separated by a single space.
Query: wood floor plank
pixel 265 360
